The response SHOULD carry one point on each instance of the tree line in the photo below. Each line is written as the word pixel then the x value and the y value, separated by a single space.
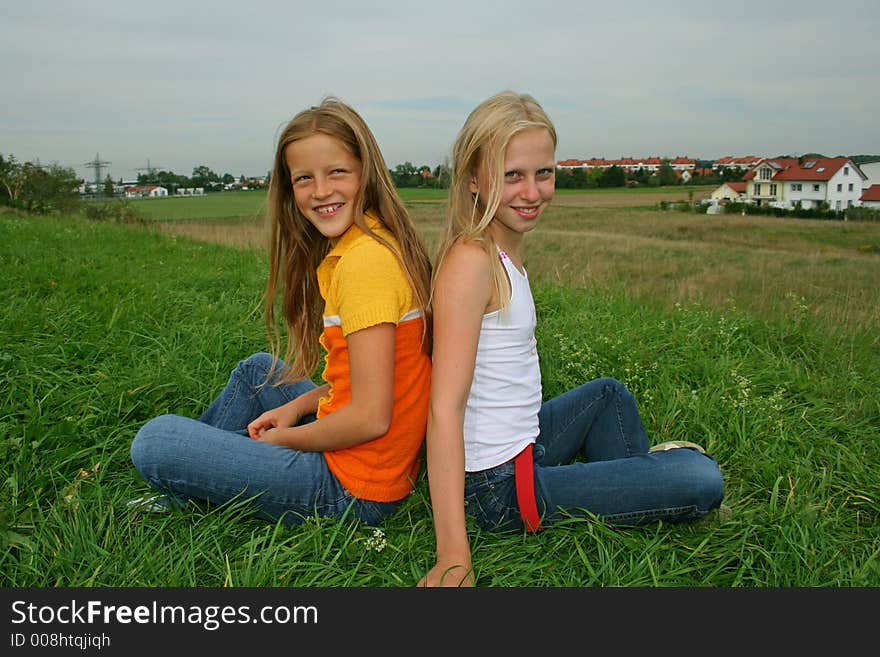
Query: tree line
pixel 37 188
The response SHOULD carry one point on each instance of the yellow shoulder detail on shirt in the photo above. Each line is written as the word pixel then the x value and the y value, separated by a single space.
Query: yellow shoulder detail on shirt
pixel 362 281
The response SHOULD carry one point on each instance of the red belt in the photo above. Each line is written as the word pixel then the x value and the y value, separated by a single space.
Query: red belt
pixel 525 490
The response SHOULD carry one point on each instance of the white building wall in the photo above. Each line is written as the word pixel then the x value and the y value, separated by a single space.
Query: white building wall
pixel 872 171
pixel 810 195
pixel 850 189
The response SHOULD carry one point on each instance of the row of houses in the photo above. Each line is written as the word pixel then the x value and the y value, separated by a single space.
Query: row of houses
pixel 157 191
pixel 630 164
pixel 785 182
pixel 807 182
pixel 684 167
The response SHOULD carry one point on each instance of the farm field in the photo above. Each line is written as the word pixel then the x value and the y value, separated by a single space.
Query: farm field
pixel 251 204
pixel 616 240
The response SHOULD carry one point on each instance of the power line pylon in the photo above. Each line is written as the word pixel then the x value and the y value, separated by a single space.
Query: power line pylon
pixel 151 171
pixel 97 164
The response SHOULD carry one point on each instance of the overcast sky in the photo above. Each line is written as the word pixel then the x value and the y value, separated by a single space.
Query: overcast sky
pixel 176 84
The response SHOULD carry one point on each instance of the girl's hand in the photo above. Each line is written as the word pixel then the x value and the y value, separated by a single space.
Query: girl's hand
pixel 449 574
pixel 277 418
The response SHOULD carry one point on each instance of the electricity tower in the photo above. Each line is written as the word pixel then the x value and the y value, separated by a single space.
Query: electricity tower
pixel 97 164
pixel 151 171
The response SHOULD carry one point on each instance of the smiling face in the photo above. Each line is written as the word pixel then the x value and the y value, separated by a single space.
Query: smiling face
pixel 529 183
pixel 326 177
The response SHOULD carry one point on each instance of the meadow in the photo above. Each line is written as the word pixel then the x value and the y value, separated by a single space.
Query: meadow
pixel 755 336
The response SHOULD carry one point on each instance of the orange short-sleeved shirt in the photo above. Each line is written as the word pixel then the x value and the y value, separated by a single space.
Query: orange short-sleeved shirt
pixel 363 285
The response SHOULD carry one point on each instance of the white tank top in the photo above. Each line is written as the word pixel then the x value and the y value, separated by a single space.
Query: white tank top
pixel 501 416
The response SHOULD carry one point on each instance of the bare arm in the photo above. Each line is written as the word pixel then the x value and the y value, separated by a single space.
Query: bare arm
pixel 462 294
pixel 287 414
pixel 367 415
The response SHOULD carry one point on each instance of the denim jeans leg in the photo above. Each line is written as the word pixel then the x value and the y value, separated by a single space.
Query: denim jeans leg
pixel 245 396
pixel 674 485
pixel 598 420
pixel 213 458
pixel 189 459
pixel 618 480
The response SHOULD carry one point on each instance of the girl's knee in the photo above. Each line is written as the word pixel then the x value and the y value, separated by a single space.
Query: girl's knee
pixel 617 388
pixel 710 483
pixel 147 445
pixel 259 359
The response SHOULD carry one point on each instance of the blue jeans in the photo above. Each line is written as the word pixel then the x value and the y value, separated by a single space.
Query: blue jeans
pixel 214 459
pixel 591 458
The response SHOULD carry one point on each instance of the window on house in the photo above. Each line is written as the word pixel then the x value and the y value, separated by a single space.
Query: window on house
pixel 849 203
pixel 850 187
pixel 765 174
pixel 837 205
pixel 845 171
pixel 757 189
pixel 796 187
pixel 839 187
pixel 773 189
pixel 815 188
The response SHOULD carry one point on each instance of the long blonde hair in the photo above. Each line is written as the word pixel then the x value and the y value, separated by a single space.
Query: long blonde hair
pixel 296 247
pixel 480 145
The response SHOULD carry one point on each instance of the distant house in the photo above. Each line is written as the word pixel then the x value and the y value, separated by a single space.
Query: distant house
pixel 871 197
pixel 730 191
pixel 871 171
pixel 631 164
pixel 150 191
pixel 809 181
pixel 728 162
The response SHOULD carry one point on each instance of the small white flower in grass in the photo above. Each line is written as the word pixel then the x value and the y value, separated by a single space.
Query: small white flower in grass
pixel 377 541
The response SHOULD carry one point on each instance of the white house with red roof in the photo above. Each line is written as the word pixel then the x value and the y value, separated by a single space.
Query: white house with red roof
pixel 730 191
pixel 809 181
pixel 730 162
pixel 151 191
pixel 871 197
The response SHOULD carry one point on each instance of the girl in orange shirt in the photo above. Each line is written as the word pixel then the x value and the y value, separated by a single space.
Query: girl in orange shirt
pixel 353 278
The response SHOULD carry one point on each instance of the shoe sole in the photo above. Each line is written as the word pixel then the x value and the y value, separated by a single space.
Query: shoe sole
pixel 676 444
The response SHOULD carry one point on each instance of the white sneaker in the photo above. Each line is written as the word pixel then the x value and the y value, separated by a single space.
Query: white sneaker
pixel 676 444
pixel 148 503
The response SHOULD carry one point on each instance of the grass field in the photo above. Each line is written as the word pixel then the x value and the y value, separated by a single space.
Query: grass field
pixel 757 337
pixel 250 205
pixel 611 239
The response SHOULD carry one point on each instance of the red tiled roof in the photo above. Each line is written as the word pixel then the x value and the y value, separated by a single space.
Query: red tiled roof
pixel 871 194
pixel 738 187
pixel 792 168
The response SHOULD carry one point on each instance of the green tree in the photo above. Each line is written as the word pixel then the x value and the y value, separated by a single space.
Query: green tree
pixel 406 175
pixel 442 174
pixel 109 187
pixel 36 188
pixel 202 176
pixel 594 176
pixel 613 176
pixel 12 177
pixel 666 175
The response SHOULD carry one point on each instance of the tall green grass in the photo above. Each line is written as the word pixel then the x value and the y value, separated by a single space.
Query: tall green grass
pixel 105 326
